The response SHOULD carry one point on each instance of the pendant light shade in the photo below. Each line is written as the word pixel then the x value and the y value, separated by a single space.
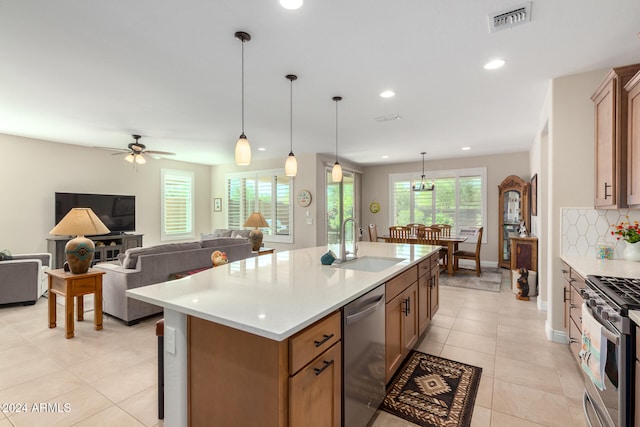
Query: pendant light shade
pixel 423 186
pixel 243 148
pixel 291 165
pixel 336 172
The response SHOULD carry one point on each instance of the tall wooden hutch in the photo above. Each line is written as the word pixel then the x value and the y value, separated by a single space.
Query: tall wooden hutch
pixel 513 208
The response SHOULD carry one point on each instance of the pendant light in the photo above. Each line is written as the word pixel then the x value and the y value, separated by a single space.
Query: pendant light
pixel 423 186
pixel 336 172
pixel 243 148
pixel 291 165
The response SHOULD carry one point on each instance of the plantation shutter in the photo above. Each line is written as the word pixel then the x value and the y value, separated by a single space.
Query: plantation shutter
pixel 177 204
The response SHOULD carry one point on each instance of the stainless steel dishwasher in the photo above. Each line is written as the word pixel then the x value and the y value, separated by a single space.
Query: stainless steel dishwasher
pixel 363 360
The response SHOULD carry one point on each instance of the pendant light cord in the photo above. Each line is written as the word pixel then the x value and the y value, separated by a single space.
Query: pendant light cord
pixel 291 114
pixel 243 87
pixel 337 130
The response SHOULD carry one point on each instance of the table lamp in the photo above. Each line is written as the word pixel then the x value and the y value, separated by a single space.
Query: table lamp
pixel 255 236
pixel 79 251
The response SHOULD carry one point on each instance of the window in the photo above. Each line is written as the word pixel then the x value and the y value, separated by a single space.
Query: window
pixel 177 204
pixel 459 199
pixel 341 200
pixel 267 192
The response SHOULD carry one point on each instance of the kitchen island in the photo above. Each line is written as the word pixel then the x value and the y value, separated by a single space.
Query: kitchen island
pixel 247 317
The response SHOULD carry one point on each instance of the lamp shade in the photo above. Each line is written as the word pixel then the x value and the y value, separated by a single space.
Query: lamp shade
pixel 243 151
pixel 336 172
pixel 291 165
pixel 255 220
pixel 80 222
pixel 255 236
pixel 79 251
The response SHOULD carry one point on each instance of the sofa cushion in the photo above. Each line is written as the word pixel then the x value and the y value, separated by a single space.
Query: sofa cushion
pixel 240 233
pixel 222 241
pixel 221 232
pixel 131 256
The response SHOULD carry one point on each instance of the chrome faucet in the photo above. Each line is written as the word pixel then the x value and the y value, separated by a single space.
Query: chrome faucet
pixel 343 249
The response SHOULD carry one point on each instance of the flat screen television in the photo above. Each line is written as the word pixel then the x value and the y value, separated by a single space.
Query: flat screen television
pixel 117 212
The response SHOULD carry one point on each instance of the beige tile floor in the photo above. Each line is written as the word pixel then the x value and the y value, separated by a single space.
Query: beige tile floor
pixel 108 377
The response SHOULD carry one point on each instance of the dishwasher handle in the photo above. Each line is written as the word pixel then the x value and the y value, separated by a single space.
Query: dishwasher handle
pixel 365 312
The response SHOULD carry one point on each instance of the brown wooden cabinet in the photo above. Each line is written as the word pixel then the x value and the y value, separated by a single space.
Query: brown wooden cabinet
pixel 573 282
pixel 611 127
pixel 401 318
pixel 513 208
pixel 434 287
pixel 107 247
pixel 633 142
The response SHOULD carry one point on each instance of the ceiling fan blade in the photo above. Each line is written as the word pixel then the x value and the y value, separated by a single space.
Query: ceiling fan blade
pixel 160 153
pixel 119 150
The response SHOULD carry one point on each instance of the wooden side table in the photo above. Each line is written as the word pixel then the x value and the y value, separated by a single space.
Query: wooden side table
pixel 69 285
pixel 263 251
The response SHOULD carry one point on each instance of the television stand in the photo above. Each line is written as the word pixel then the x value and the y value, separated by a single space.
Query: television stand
pixel 108 247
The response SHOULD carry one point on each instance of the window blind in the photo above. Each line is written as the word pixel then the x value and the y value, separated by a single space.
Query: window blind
pixel 177 204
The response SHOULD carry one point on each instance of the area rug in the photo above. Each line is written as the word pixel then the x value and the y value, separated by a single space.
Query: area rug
pixel 489 280
pixel 433 392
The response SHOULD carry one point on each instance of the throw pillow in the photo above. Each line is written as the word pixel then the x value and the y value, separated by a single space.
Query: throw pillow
pixel 240 233
pixel 5 255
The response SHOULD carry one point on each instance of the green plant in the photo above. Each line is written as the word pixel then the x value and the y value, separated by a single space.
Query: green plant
pixel 627 231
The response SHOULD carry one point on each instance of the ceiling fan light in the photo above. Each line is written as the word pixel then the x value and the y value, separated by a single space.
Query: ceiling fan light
pixel 291 4
pixel 291 165
pixel 140 159
pixel 129 158
pixel 336 172
pixel 243 151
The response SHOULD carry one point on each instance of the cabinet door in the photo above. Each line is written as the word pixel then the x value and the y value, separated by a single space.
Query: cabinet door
pixel 434 295
pixel 424 305
pixel 394 311
pixel 410 319
pixel 605 185
pixel 315 392
pixel 633 148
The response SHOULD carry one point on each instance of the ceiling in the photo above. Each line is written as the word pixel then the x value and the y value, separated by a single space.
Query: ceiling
pixel 94 72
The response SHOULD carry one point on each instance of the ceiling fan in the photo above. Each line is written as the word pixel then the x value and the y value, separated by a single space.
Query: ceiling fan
pixel 137 151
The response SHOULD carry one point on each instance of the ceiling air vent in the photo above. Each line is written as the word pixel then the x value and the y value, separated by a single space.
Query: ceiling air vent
pixel 510 18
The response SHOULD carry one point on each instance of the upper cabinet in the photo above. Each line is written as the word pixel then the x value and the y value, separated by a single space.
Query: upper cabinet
pixel 514 208
pixel 611 127
pixel 633 143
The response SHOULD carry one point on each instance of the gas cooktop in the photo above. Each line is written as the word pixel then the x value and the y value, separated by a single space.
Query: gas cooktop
pixel 623 291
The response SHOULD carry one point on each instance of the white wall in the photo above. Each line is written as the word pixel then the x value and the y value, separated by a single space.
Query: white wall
pixel 376 187
pixel 32 170
pixel 570 160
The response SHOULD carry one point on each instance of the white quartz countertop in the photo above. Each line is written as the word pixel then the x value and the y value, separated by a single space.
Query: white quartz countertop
pixel 586 265
pixel 277 295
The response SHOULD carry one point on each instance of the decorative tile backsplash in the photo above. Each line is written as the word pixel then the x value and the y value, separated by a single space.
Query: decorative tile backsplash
pixel 584 228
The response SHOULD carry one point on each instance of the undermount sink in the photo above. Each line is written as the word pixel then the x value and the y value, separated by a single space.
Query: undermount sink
pixel 369 263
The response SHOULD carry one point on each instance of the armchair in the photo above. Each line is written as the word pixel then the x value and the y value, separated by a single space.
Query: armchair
pixel 22 279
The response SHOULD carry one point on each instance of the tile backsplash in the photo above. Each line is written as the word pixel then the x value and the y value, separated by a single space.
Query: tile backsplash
pixel 584 228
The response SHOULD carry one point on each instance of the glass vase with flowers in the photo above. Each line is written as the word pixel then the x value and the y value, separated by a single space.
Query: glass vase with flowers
pixel 630 233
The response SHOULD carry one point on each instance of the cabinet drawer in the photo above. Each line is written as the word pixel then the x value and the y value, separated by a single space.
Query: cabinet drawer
pixel 638 348
pixel 87 285
pixel 424 267
pixel 577 281
pixel 576 307
pixel 575 340
pixel 401 282
pixel 311 342
pixel 435 260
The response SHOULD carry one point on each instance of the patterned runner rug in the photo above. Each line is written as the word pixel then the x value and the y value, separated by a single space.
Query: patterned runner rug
pixel 433 392
pixel 489 280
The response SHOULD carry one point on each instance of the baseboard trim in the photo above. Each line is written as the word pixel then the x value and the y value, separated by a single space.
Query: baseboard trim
pixel 556 336
pixel 542 305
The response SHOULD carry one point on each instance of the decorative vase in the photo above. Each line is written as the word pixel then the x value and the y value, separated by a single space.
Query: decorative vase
pixel 632 252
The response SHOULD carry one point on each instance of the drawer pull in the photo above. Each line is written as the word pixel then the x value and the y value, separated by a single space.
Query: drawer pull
pixel 573 306
pixel 573 341
pixel 324 339
pixel 318 371
pixel 564 271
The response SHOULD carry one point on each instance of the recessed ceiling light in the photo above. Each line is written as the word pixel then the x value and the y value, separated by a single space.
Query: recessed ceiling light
pixel 291 4
pixel 262 149
pixel 387 94
pixel 466 148
pixel 385 157
pixel 495 64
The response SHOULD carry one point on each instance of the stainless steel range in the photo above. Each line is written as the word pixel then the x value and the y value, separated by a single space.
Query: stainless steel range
pixel 608 300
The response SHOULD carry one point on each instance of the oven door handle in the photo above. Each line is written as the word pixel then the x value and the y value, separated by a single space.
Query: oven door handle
pixel 611 336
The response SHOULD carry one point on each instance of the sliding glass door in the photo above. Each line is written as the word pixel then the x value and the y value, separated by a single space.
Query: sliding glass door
pixel 341 200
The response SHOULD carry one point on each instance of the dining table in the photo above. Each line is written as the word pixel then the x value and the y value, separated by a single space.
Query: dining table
pixel 451 243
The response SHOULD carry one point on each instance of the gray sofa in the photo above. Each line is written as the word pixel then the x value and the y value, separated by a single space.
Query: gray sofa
pixel 156 264
pixel 23 279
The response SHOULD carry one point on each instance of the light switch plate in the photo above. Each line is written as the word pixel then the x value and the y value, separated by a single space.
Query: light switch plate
pixel 170 340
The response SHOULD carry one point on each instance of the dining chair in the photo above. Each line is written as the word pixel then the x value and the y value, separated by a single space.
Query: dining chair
pixel 399 234
pixel 373 233
pixel 414 227
pixel 431 236
pixel 445 229
pixel 470 255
